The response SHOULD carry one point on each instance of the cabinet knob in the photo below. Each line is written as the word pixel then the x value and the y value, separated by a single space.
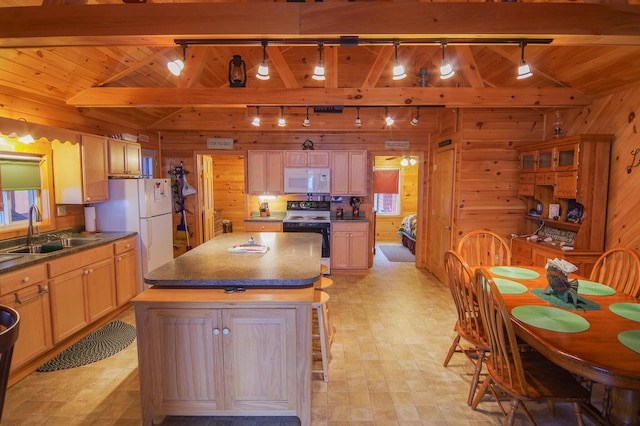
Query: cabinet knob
pixel 225 331
pixel 86 272
pixel 119 258
pixel 25 280
pixel 216 332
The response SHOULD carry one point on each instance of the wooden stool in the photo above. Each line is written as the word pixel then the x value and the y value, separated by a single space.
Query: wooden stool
pixel 323 283
pixel 320 306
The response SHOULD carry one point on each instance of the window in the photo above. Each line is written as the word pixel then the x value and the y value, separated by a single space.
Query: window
pixel 21 183
pixel 147 163
pixel 386 186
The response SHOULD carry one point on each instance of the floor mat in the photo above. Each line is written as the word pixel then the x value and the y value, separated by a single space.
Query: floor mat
pixel 102 343
pixel 397 253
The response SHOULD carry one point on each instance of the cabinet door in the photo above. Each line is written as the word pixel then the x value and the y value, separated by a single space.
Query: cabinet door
pixel 358 173
pixel 117 157
pixel 528 161
pixel 318 158
pixel 68 313
pixel 358 255
pixel 340 173
pixel 265 172
pixel 94 169
pixel 567 157
pixel 101 289
pixel 566 185
pixel 32 303
pixel 339 250
pixel 186 346
pixel 260 359
pixel 263 226
pixel 545 160
pixel 133 159
pixel 126 276
pixel 295 158
pixel 526 184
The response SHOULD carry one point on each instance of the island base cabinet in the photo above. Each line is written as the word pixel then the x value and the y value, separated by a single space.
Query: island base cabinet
pixel 218 361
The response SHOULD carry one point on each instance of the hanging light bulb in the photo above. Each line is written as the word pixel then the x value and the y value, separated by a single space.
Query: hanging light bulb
pixel 26 139
pixel 263 68
pixel 307 122
pixel 414 120
pixel 358 121
pixel 256 119
pixel 446 71
pixel 398 68
pixel 524 71
pixel 404 162
pixel 388 119
pixel 176 66
pixel 281 121
pixel 412 161
pixel 318 72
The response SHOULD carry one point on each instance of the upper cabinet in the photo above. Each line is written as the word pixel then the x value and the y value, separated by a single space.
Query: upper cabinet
pixel 265 173
pixel 307 158
pixel 80 170
pixel 124 158
pixel 348 172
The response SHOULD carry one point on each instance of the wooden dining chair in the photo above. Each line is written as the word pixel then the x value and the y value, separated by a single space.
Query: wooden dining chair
pixel 9 327
pixel 468 325
pixel 524 376
pixel 619 268
pixel 484 248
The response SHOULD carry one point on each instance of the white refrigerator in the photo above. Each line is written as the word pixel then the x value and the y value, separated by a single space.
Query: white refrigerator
pixel 142 206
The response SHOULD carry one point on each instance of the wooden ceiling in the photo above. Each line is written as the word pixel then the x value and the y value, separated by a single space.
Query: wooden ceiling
pixel 109 58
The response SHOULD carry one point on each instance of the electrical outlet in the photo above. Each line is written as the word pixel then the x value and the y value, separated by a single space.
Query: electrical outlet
pixel 62 210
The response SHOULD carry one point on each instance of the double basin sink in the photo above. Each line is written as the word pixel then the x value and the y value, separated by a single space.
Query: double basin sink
pixel 51 246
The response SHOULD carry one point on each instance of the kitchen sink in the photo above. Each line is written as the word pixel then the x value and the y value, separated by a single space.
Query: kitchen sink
pixel 34 249
pixel 52 246
pixel 78 241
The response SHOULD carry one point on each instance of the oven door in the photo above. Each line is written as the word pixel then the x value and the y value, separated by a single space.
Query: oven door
pixel 318 228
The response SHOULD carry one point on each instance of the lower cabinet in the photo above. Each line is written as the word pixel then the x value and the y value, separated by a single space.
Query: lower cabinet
pixel 349 245
pixel 527 253
pixel 126 270
pixel 84 293
pixel 27 292
pixel 253 226
pixel 224 359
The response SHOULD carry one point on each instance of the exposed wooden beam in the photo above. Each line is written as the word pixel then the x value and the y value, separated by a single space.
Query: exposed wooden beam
pixel 159 24
pixel 282 68
pixel 382 60
pixel 470 70
pixel 240 98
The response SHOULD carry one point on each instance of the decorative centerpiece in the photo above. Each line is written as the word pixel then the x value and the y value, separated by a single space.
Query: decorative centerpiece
pixel 559 283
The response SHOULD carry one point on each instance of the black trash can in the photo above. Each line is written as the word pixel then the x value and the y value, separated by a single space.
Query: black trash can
pixel 227 227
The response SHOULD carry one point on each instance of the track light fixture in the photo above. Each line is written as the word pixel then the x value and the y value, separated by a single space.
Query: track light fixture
pixel 416 119
pixel 388 120
pixel 398 68
pixel 446 71
pixel 281 121
pixel 307 122
pixel 256 119
pixel 263 68
pixel 176 66
pixel 524 71
pixel 358 121
pixel 318 72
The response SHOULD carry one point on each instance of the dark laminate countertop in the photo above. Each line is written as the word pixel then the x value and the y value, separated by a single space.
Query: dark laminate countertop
pixel 293 260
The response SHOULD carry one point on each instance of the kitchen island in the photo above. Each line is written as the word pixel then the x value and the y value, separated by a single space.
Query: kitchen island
pixel 207 349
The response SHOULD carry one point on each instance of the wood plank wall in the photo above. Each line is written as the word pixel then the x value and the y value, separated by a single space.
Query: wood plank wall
pixel 617 114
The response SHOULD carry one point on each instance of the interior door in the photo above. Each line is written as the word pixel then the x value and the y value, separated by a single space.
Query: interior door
pixel 208 230
pixel 441 217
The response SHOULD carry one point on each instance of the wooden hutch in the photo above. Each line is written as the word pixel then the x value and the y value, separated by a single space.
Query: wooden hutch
pixel 573 173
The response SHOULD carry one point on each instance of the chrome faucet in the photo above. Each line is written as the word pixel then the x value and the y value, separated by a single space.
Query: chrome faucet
pixel 32 208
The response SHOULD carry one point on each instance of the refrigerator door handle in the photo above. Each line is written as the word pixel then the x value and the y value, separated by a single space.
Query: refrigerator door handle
pixel 149 238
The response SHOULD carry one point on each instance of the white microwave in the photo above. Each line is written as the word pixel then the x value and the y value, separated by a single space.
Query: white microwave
pixel 306 181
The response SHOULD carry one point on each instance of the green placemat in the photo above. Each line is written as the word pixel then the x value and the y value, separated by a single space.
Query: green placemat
pixel 591 288
pixel 584 304
pixel 550 318
pixel 629 311
pixel 514 272
pixel 509 287
pixel 631 339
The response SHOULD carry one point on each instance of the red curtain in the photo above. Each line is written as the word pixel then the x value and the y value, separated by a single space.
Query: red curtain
pixel 386 181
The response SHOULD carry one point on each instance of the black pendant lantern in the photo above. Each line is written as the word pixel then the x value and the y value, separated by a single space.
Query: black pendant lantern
pixel 237 72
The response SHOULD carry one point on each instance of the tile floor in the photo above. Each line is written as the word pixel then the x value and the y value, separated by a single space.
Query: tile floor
pixel 393 329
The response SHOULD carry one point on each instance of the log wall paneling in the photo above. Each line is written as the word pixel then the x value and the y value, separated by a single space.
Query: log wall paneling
pixel 229 188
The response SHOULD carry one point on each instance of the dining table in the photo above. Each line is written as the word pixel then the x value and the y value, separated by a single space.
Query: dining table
pixel 594 334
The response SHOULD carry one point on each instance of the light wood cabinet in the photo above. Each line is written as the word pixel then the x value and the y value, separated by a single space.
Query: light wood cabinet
pixel 349 173
pixel 253 226
pixel 126 270
pixel 576 177
pixel 82 289
pixel 124 158
pixel 26 291
pixel 80 170
pixel 249 359
pixel 349 245
pixel 265 173
pixel 307 158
